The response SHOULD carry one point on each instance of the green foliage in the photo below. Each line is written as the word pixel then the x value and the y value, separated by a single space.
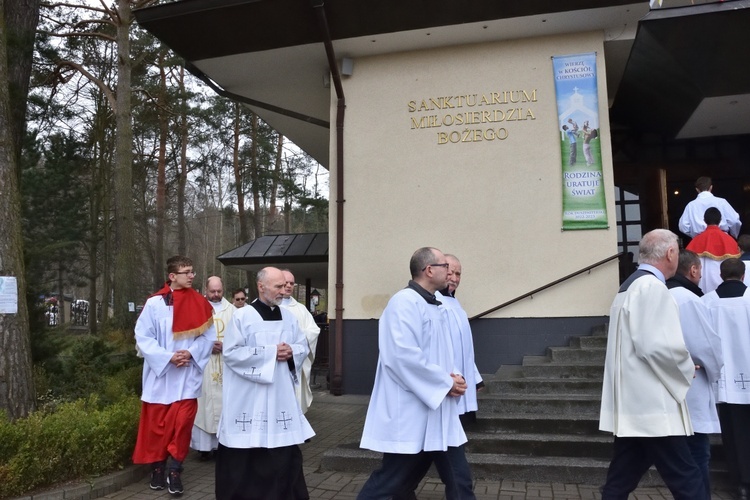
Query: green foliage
pixel 80 439
pixel 68 367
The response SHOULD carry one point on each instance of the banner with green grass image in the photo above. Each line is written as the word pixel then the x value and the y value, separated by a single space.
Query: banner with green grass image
pixel 584 202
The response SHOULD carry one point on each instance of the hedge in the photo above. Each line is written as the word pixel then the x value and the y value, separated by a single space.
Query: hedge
pixel 78 440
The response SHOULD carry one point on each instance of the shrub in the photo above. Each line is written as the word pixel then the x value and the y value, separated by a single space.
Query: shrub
pixel 80 439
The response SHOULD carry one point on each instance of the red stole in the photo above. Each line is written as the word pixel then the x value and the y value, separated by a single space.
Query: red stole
pixel 192 314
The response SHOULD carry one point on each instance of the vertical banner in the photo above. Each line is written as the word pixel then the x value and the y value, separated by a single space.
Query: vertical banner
pixel 584 202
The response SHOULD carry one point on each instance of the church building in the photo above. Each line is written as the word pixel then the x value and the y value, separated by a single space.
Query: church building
pixel 536 141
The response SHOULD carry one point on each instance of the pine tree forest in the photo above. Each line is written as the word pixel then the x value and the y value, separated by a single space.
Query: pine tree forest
pixel 127 159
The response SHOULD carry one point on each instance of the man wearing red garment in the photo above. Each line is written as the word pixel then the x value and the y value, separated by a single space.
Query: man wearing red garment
pixel 713 246
pixel 174 334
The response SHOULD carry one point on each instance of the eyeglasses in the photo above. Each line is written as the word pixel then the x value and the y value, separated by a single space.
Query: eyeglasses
pixel 187 273
pixel 241 299
pixel 445 265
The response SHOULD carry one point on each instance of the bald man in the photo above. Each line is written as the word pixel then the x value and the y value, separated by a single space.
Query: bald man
pixel 261 422
pixel 203 438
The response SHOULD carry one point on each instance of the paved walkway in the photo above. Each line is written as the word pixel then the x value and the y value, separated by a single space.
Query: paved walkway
pixel 339 420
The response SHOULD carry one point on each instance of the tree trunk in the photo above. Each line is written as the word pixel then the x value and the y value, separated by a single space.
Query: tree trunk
pixel 238 180
pixel 182 172
pixel 161 182
pixel 255 177
pixel 126 272
pixel 106 244
pixel 275 182
pixel 16 381
pixel 21 17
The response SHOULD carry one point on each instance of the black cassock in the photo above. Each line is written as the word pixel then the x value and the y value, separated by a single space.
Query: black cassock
pixel 260 473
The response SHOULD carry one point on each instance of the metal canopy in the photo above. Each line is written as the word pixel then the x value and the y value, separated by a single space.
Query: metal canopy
pixel 306 255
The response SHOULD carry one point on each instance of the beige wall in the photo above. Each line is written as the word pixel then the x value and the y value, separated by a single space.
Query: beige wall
pixel 495 204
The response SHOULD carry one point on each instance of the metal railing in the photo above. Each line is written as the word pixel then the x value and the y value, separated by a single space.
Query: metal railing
pixel 548 285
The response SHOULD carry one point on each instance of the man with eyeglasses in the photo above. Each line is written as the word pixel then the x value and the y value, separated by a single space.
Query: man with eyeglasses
pixel 239 298
pixel 413 416
pixel 311 330
pixel 452 466
pixel 175 334
pixel 209 403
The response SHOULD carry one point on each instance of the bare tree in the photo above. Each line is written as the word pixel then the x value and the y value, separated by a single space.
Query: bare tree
pixel 119 15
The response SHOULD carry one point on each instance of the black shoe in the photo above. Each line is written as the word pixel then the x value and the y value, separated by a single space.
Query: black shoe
pixel 204 456
pixel 158 481
pixel 174 483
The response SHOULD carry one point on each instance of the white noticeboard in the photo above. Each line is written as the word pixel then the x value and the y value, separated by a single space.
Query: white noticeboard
pixel 8 295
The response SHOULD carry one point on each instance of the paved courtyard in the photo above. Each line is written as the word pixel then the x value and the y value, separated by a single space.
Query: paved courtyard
pixel 339 420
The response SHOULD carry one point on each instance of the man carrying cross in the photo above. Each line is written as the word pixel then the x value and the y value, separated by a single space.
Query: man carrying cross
pixel 261 422
pixel 729 309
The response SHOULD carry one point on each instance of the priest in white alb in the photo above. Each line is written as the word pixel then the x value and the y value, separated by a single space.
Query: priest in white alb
pixel 261 422
pixel 647 374
pixel 412 414
pixel 704 345
pixel 463 342
pixel 311 330
pixel 206 424
pixel 729 307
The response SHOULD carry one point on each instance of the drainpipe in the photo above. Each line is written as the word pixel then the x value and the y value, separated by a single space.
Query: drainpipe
pixel 338 354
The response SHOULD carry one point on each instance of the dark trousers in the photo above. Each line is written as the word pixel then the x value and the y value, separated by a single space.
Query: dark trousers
pixel 700 449
pixel 736 440
pixel 399 475
pixel 670 454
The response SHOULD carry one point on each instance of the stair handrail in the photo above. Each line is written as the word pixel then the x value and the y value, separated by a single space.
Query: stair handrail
pixel 548 285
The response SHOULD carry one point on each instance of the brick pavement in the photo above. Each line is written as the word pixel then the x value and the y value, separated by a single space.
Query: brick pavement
pixel 339 420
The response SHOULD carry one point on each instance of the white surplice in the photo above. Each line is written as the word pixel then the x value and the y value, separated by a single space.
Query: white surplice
pixel 463 351
pixel 648 370
pixel 164 382
pixel 704 345
pixel 692 224
pixel 260 408
pixel 410 409
pixel 730 318
pixel 209 404
pixel 312 331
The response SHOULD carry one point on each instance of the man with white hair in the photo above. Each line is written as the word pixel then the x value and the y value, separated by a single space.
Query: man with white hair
pixel 261 423
pixel 206 422
pixel 311 330
pixel 647 374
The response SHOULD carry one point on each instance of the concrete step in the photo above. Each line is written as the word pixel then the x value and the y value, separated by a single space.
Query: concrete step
pixel 541 444
pixel 590 342
pixel 494 466
pixel 560 405
pixel 536 423
pixel 545 386
pixel 542 367
pixel 549 444
pixel 576 355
